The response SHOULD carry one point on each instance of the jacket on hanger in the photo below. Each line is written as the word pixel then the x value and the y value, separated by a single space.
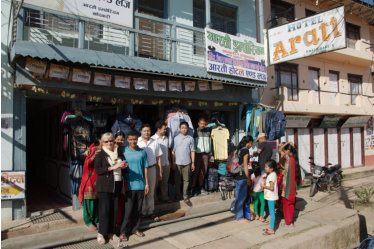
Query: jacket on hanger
pixel 275 125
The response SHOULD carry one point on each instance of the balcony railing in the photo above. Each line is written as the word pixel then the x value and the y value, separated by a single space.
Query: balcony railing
pixel 152 37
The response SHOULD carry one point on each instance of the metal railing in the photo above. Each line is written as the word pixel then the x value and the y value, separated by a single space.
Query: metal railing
pixel 152 37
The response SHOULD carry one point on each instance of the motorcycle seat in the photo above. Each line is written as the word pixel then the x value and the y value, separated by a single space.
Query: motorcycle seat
pixel 335 167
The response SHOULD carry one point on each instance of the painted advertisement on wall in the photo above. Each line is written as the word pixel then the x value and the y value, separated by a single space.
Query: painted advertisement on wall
pixel 118 12
pixel 309 36
pixel 234 56
pixel 12 185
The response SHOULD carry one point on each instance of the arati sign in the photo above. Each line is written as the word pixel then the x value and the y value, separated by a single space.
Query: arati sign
pixel 308 36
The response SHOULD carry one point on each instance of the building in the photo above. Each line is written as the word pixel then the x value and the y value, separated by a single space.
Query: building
pixel 328 98
pixel 135 57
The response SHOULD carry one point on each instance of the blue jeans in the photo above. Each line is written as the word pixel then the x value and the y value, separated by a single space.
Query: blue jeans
pixel 240 196
pixel 271 205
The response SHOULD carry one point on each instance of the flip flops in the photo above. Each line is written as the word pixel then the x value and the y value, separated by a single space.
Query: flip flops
pixel 188 202
pixel 268 233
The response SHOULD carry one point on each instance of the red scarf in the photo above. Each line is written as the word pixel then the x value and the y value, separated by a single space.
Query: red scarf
pixel 89 176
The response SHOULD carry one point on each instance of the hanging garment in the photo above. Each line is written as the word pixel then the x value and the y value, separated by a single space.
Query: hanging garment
pixel 248 113
pixel 124 123
pixel 275 125
pixel 220 137
pixel 174 126
pixel 262 123
pixel 256 122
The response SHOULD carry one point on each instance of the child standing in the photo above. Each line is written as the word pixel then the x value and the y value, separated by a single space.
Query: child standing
pixel 271 192
pixel 257 178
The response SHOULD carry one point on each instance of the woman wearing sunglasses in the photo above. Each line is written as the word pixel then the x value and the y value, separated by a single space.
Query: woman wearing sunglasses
pixel 108 166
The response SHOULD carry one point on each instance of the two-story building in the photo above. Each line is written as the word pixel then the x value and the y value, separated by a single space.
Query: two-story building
pixel 137 57
pixel 328 98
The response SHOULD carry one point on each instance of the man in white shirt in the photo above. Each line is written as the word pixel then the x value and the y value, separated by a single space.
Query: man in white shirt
pixel 154 153
pixel 163 142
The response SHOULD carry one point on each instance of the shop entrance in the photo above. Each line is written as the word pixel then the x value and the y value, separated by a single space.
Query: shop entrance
pixel 47 169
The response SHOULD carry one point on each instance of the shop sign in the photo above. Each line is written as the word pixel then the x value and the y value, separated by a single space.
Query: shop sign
pixel 159 85
pixel 35 66
pixel 81 76
pixel 175 86
pixel 58 71
pixel 203 86
pixel 140 84
pixel 119 12
pixel 330 121
pixel 102 79
pixel 297 121
pixel 122 81
pixel 217 85
pixel 234 56
pixel 356 121
pixel 189 86
pixel 308 36
pixel 12 185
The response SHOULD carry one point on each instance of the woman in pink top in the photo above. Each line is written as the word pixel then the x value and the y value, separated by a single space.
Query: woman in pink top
pixel 258 192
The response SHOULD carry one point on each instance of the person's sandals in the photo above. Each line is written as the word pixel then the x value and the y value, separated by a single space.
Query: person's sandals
pixel 139 234
pixel 100 239
pixel 267 232
pixel 91 227
pixel 266 221
pixel 188 202
pixel 123 238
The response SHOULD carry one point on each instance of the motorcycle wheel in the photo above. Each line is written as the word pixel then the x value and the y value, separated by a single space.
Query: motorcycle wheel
pixel 336 182
pixel 313 189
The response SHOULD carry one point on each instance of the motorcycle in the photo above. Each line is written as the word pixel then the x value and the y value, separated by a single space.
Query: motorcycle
pixel 325 178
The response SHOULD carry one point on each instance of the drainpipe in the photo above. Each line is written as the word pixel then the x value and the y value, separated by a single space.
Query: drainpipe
pixel 207 14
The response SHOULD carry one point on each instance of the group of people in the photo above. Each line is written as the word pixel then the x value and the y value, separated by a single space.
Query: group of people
pixel 267 181
pixel 119 182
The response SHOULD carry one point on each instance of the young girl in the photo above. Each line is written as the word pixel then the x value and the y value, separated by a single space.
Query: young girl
pixel 271 192
pixel 258 192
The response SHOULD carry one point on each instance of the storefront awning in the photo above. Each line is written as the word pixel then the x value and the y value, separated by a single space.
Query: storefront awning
pixel 297 121
pixel 119 61
pixel 330 121
pixel 356 121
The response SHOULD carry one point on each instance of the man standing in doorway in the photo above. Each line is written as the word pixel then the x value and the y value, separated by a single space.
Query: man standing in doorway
pixel 183 161
pixel 137 186
pixel 203 147
pixel 154 153
pixel 163 142
pixel 265 151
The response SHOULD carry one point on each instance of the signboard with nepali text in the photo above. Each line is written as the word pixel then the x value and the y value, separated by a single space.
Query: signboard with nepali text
pixel 234 56
pixel 118 12
pixel 309 36
pixel 12 185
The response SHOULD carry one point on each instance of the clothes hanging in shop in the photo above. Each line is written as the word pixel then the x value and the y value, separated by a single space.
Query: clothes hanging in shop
pixel 275 125
pixel 126 123
pixel 174 126
pixel 248 115
pixel 220 137
pixel 262 123
pixel 256 114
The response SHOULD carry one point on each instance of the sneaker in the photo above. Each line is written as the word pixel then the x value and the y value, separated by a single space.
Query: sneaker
pixel 100 239
pixel 204 192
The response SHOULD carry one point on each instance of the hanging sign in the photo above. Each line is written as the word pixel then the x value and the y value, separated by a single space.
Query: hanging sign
pixel 330 121
pixel 217 85
pixel 189 86
pixel 102 79
pixel 297 121
pixel 234 56
pixel 12 185
pixel 81 76
pixel 35 66
pixel 175 86
pixel 203 85
pixel 58 71
pixel 140 84
pixel 119 12
pixel 308 36
pixel 356 121
pixel 122 81
pixel 159 85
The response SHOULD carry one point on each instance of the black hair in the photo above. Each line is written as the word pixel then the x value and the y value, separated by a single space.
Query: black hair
pixel 119 134
pixel 256 169
pixel 293 150
pixel 243 143
pixel 159 124
pixel 132 133
pixel 202 119
pixel 184 123
pixel 145 126
pixel 273 165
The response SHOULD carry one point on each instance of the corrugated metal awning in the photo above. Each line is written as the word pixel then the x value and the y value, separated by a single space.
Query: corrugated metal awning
pixel 119 61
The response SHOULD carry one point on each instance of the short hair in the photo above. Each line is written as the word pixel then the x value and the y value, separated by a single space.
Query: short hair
pixel 132 133
pixel 145 126
pixel 107 135
pixel 184 123
pixel 159 124
pixel 202 119
pixel 119 134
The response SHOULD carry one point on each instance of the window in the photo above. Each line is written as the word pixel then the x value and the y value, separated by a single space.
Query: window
pixel 223 16
pixel 353 34
pixel 281 13
pixel 154 8
pixel 334 86
pixel 355 87
pixel 286 75
pixel 314 83
pixel 310 12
